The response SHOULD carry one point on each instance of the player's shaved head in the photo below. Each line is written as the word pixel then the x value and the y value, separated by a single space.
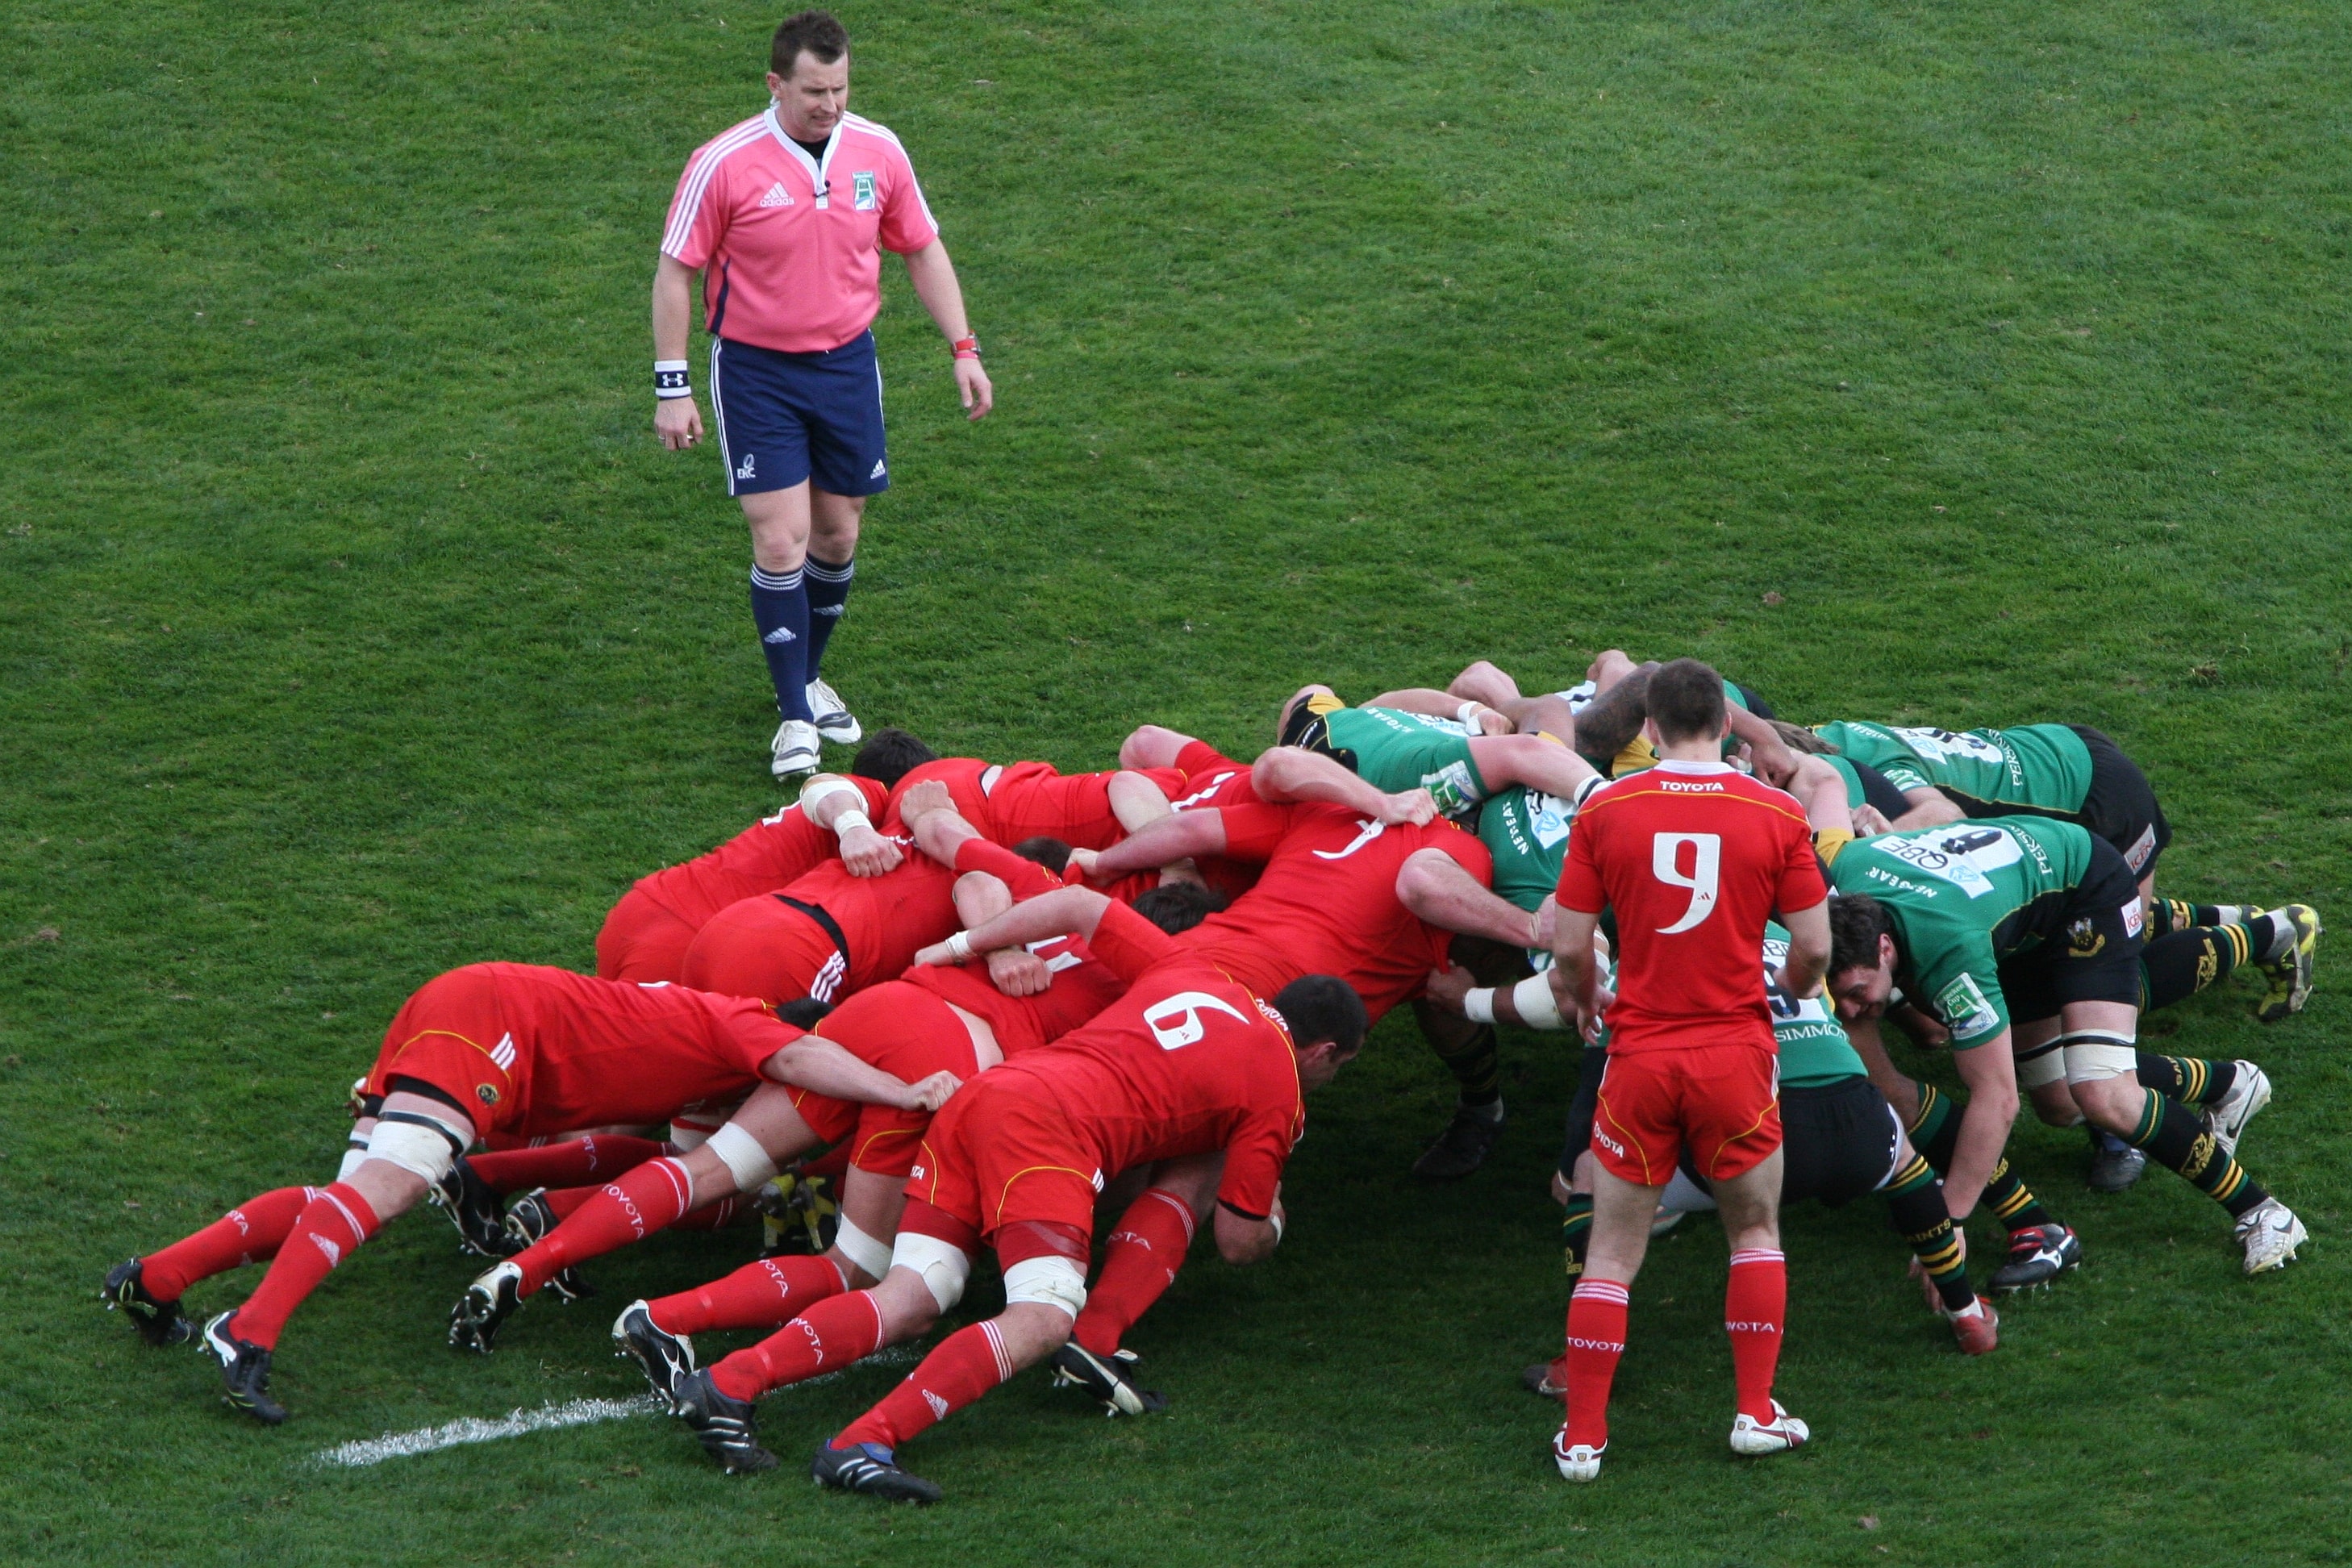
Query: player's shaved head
pixel 816 33
pixel 1685 701
pixel 1318 1007
pixel 890 755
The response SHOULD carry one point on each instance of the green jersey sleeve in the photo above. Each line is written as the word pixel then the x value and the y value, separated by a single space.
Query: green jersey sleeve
pixel 1399 751
pixel 1880 747
pixel 1812 1042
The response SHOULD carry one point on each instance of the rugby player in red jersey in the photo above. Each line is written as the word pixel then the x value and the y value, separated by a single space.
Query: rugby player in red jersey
pixel 503 1047
pixel 943 1014
pixel 1187 1063
pixel 1693 857
pixel 777 1125
pixel 645 935
pixel 1010 802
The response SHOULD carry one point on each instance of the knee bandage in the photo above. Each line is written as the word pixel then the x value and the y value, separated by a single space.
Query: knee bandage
pixel 869 1254
pixel 744 1158
pixel 352 1156
pixel 944 1267
pixel 2093 1056
pixel 2041 1066
pixel 1049 1281
pixel 421 1145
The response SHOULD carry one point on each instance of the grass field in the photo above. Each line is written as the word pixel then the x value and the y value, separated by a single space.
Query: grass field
pixel 1982 363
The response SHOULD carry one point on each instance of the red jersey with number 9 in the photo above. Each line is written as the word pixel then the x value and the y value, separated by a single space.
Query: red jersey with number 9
pixel 1693 856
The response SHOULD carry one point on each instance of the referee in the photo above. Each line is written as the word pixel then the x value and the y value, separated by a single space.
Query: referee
pixel 785 216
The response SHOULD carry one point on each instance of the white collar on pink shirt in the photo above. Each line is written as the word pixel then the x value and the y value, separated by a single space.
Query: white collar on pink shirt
pixel 1676 765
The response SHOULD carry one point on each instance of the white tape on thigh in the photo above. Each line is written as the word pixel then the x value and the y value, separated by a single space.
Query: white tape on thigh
pixel 686 1137
pixel 1049 1282
pixel 2043 1067
pixel 1538 1008
pixel 352 1158
pixel 2093 1056
pixel 864 1251
pixel 944 1268
pixel 427 1152
pixel 742 1154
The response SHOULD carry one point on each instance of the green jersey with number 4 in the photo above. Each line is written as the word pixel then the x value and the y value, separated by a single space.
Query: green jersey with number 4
pixel 1813 1047
pixel 1965 896
pixel 1396 751
pixel 1987 772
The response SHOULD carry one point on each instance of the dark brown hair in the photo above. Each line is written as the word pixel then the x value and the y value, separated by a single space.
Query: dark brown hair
pixel 818 33
pixel 1685 701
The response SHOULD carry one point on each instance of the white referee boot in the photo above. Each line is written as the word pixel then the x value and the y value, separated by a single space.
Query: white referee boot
pixel 794 749
pixel 834 719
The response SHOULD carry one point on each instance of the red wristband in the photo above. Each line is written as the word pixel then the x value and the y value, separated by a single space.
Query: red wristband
pixel 965 348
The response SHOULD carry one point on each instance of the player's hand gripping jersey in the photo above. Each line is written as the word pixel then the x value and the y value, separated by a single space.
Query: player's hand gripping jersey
pixel 1967 897
pixel 527 1049
pixel 1812 1043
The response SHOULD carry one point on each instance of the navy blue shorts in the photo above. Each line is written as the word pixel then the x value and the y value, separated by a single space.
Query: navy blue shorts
pixel 786 418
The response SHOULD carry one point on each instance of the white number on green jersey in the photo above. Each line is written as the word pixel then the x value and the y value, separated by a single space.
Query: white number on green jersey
pixel 1961 854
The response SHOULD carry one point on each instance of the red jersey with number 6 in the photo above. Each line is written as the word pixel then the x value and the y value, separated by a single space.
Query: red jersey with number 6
pixel 1693 856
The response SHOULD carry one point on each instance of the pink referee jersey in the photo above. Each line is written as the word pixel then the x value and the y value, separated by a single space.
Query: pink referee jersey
pixel 790 246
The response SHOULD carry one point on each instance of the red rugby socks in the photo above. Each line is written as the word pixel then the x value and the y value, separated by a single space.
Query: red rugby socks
pixel 1755 1303
pixel 1596 1339
pixel 652 1197
pixel 827 1337
pixel 967 1365
pixel 1139 1263
pixel 331 1227
pixel 762 1295
pixel 250 1233
pixel 577 1162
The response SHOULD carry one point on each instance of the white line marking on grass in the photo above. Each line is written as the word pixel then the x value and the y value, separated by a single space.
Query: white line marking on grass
pixel 474 1429
pixel 520 1423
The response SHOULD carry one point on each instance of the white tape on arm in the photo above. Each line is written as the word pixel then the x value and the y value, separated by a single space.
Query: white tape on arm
pixel 1478 1006
pixel 1538 1008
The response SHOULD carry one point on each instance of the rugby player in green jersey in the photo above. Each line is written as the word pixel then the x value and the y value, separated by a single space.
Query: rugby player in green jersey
pixel 2074 774
pixel 1395 749
pixel 2022 935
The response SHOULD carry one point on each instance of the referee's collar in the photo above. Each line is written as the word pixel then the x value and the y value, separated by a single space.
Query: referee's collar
pixel 1676 765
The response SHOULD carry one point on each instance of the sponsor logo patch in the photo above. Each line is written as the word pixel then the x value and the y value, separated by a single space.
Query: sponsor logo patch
pixel 862 183
pixel 1964 1008
pixel 777 196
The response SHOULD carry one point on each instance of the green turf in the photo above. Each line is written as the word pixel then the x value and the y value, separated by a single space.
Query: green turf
pixel 1976 363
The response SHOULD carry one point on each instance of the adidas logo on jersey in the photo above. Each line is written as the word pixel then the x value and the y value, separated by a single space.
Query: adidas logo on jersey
pixel 503 1053
pixel 777 196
